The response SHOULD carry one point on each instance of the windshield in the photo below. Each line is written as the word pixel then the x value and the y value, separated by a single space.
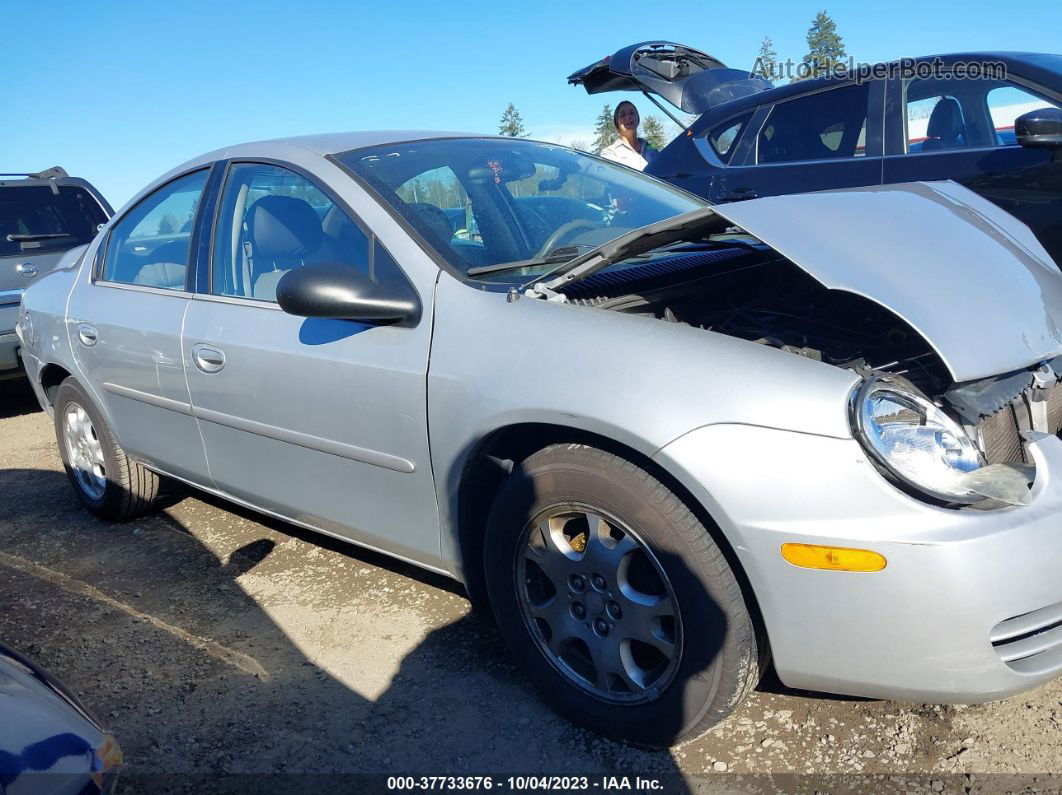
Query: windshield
pixel 500 210
pixel 35 219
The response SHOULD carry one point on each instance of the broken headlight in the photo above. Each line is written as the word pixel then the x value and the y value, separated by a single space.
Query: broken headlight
pixel 916 442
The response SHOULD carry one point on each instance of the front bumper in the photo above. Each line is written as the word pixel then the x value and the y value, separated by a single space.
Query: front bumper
pixel 921 629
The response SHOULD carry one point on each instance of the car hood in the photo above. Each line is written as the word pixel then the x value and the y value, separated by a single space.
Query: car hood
pixel 968 276
pixel 689 79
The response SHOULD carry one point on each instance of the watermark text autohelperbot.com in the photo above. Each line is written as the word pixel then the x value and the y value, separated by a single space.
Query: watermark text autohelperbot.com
pixel 904 69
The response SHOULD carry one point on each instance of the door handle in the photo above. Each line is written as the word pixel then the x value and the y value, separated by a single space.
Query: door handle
pixel 207 358
pixel 87 334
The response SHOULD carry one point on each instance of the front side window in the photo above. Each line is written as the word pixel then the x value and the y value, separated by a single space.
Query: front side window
pixel 273 219
pixel 514 208
pixel 150 246
pixel 35 219
pixel 826 125
pixel 1007 103
pixel 945 114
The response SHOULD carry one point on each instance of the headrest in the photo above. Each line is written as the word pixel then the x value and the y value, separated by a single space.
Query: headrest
pixel 435 218
pixel 946 120
pixel 283 227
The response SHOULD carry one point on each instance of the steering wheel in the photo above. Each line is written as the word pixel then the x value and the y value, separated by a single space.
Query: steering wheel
pixel 560 232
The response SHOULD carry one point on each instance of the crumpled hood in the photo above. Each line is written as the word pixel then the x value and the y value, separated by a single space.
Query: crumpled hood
pixel 968 276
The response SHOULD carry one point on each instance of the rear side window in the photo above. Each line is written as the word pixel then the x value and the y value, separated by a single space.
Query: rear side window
pixel 35 219
pixel 150 245
pixel 723 137
pixel 826 125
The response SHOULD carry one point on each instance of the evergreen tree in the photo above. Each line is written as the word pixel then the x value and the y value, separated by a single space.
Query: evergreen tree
pixel 825 47
pixel 604 130
pixel 766 61
pixel 512 124
pixel 653 133
pixel 167 224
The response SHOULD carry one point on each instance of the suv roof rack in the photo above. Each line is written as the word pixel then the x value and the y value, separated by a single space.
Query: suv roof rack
pixel 55 172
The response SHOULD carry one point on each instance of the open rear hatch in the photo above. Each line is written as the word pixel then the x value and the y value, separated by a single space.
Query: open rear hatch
pixel 691 80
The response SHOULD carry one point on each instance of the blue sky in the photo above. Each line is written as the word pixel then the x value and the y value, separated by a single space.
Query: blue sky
pixel 120 92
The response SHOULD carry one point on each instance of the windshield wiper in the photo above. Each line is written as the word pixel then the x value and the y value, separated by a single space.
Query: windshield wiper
pixel 41 236
pixel 558 255
pixel 678 229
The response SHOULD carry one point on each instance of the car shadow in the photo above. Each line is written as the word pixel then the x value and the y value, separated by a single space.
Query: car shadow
pixel 210 689
pixel 17 398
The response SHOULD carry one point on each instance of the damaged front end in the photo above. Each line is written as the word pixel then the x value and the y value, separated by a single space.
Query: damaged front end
pixel 946 307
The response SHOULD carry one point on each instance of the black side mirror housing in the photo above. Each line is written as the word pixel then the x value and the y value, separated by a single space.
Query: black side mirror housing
pixel 1039 128
pixel 345 293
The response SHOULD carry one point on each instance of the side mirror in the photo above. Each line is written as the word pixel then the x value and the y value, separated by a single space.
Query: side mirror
pixel 1039 128
pixel 345 293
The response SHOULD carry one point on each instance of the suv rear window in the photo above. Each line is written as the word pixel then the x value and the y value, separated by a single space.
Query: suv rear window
pixel 34 219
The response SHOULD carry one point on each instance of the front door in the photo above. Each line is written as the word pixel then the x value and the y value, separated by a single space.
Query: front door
pixel 963 130
pixel 320 421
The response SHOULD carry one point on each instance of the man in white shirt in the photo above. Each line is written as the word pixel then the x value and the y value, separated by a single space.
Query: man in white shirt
pixel 629 149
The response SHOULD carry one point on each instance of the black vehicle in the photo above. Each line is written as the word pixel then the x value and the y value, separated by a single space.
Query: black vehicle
pixel 1000 134
pixel 42 216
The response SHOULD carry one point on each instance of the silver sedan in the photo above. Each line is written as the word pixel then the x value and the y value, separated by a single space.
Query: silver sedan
pixel 665 442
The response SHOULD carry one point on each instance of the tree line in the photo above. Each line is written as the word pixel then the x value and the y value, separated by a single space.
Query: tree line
pixel 826 51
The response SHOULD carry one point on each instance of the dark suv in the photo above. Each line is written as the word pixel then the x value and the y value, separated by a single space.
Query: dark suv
pixel 930 118
pixel 42 216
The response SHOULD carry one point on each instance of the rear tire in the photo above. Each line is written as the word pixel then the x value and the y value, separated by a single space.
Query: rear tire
pixel 105 479
pixel 638 629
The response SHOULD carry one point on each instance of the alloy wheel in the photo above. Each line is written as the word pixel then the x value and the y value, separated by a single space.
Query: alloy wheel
pixel 84 451
pixel 598 604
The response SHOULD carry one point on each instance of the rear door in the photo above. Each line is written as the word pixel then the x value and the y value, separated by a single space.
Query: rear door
pixel 830 138
pixel 39 222
pixel 320 421
pixel 124 319
pixel 941 128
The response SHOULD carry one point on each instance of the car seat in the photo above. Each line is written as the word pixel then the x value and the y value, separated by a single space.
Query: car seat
pixel 946 129
pixel 434 218
pixel 284 233
pixel 168 266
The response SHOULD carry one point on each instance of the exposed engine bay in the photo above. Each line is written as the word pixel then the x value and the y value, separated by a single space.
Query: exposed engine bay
pixel 739 287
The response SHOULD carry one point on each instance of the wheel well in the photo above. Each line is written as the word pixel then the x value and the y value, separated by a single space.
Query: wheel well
pixel 493 459
pixel 51 377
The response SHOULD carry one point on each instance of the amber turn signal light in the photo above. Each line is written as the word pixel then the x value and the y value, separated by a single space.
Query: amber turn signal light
pixel 812 556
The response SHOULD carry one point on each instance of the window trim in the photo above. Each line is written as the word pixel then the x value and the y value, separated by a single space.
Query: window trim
pixel 871 84
pixel 101 253
pixel 207 290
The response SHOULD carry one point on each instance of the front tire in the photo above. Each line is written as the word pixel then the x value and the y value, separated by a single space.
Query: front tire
pixel 615 600
pixel 105 479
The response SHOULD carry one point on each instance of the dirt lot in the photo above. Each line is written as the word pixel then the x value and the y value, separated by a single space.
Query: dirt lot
pixel 212 640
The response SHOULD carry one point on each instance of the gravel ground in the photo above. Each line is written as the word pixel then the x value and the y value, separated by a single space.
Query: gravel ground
pixel 212 640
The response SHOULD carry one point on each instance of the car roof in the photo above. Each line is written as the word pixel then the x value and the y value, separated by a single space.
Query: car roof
pixel 297 147
pixel 332 143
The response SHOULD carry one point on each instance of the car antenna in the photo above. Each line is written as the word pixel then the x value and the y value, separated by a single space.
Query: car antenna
pixel 667 113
